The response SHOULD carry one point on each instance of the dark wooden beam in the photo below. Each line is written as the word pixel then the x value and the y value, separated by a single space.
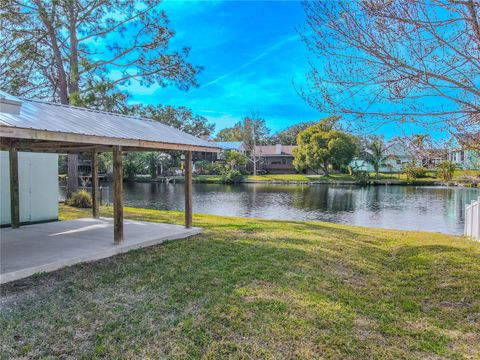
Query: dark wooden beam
pixel 188 189
pixel 95 186
pixel 117 195
pixel 14 193
pixel 51 146
pixel 34 134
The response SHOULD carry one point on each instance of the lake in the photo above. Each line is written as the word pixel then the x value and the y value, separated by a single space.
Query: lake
pixel 439 209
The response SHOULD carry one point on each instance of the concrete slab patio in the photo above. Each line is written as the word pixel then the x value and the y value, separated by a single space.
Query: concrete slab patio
pixel 47 247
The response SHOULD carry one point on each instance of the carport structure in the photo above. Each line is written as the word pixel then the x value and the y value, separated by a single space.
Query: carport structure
pixel 36 126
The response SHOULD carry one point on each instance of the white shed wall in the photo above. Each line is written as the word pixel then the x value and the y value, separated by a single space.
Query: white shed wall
pixel 38 187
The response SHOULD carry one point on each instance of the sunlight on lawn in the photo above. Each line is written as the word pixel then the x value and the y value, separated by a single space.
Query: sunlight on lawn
pixel 252 288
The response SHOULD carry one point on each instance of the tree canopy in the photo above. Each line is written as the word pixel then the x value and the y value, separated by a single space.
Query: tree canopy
pixel 230 134
pixel 77 52
pixel 289 135
pixel 321 146
pixel 178 117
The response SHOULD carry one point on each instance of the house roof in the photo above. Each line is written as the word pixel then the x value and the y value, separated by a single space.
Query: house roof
pixel 39 120
pixel 271 150
pixel 229 145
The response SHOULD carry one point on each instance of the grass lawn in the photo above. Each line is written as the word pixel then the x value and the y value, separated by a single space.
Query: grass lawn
pixel 207 178
pixel 298 177
pixel 431 176
pixel 249 288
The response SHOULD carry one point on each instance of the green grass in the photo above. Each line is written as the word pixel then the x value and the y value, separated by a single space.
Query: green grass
pixel 298 177
pixel 249 288
pixel 207 179
pixel 431 176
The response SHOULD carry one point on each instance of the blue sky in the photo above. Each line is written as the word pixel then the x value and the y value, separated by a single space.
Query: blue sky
pixel 251 54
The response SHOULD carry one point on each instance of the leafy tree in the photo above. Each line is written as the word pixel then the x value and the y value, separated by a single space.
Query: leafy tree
pixel 376 154
pixel 79 51
pixel 230 134
pixel 65 50
pixel 105 162
pixel 384 60
pixel 321 146
pixel 445 170
pixel 155 162
pixel 234 159
pixel 230 170
pixel 178 117
pixel 289 135
pixel 132 165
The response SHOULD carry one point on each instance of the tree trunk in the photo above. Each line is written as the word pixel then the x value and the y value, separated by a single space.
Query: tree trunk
pixel 72 183
pixel 325 169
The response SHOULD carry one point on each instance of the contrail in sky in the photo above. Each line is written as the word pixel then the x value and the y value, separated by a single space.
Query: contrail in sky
pixel 274 47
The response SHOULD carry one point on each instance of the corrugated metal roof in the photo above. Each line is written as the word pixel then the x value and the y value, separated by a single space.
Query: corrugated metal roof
pixel 229 145
pixel 40 115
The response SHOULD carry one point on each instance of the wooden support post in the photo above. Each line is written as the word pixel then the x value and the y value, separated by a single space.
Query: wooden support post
pixel 95 186
pixel 188 189
pixel 14 193
pixel 117 195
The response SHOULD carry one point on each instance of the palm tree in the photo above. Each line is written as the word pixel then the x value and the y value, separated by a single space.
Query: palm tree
pixel 376 154
pixel 155 161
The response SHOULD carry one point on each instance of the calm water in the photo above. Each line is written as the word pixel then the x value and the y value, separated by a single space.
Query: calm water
pixel 414 208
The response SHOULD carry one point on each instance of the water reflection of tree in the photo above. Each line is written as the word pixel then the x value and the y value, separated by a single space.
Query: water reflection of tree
pixel 374 199
pixel 328 198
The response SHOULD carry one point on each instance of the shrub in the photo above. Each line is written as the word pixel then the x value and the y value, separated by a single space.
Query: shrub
pixel 216 169
pixel 80 199
pixel 202 167
pixel 361 176
pixel 413 171
pixel 231 176
pixel 420 172
pixel 445 170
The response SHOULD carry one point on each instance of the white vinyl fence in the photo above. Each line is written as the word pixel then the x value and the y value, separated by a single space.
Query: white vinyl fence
pixel 472 220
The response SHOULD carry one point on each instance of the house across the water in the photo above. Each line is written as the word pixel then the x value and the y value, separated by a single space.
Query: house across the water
pixel 276 159
pixel 398 157
pixel 463 154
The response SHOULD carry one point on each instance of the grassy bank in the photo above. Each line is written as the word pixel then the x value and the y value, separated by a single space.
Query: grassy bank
pixel 249 288
pixel 429 179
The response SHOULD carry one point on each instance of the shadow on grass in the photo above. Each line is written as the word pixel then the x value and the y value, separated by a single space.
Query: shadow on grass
pixel 258 287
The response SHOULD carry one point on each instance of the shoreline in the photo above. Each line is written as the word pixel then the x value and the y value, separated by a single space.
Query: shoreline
pixel 382 182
